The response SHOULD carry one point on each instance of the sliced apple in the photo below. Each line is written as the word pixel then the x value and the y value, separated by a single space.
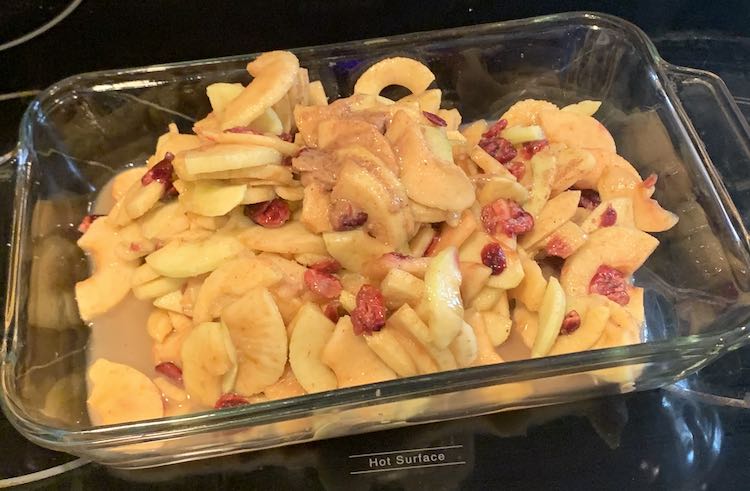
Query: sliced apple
pixel 488 163
pixel 551 314
pixel 315 205
pixel 486 299
pixel 455 236
pixel 526 112
pixel 573 165
pixel 531 289
pixel 219 94
pixel 427 179
pixel 521 134
pixel 422 240
pixel 121 394
pixel 497 325
pixel 111 278
pixel 622 248
pixel 209 362
pixel 543 168
pixel 416 350
pixel 123 181
pixel 586 107
pixel 353 362
pixel 388 223
pixel 405 72
pixel 230 281
pixel 211 198
pixel 391 352
pixel 259 335
pixel 171 301
pixel 564 241
pixel 291 238
pixel 157 288
pixel 400 287
pixel 164 222
pixel 575 130
pixel 555 212
pixel 622 216
pixel 139 199
pixel 496 187
pixel 310 332
pixel 353 249
pixel 184 259
pixel 512 275
pixel 443 297
pixel 486 354
pixel 407 319
pixel 594 313
pixel 224 157
pixel 473 279
pixel 464 346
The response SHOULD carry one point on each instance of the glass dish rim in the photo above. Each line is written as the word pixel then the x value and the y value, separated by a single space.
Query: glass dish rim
pixel 707 346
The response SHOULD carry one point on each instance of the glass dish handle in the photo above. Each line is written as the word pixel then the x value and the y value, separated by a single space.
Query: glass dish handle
pixel 718 129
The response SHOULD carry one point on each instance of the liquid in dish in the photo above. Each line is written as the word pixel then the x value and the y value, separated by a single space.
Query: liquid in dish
pixel 293 246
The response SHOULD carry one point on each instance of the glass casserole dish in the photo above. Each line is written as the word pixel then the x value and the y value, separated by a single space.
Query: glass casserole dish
pixel 665 120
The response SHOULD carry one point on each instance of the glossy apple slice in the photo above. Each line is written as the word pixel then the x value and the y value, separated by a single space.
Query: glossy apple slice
pixel 551 314
pixel 310 332
pixel 185 259
pixel 443 297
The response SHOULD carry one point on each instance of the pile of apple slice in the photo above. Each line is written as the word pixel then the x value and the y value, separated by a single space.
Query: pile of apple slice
pixel 292 246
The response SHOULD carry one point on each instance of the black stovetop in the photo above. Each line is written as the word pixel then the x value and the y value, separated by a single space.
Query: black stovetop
pixel 694 435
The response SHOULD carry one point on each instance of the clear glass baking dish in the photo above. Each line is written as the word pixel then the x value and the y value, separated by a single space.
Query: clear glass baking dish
pixel 667 120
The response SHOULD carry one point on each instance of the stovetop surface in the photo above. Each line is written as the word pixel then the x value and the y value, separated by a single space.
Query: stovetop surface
pixel 694 435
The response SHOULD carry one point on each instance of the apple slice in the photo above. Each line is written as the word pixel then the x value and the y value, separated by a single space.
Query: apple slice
pixel 455 236
pixel 230 281
pixel 526 112
pixel 400 287
pixel 310 332
pixel 562 242
pixel 157 288
pixel 443 297
pixel 354 249
pixel 388 223
pixel 171 301
pixel 290 238
pixel 575 130
pixel 427 179
pixel 521 134
pixel 551 314
pixel 224 157
pixel 123 181
pixel 473 279
pixel 543 168
pixel 184 259
pixel 140 198
pixel 594 313
pixel 209 362
pixel 405 72
pixel 219 94
pixel 573 165
pixel 586 107
pixel 464 346
pixel 486 299
pixel 406 318
pixel 211 198
pixel 619 211
pixel 353 362
pixel 531 289
pixel 512 275
pixel 315 205
pixel 416 350
pixel 622 248
pixel 391 352
pixel 164 222
pixel 486 354
pixel 555 212
pixel 422 240
pixel 497 326
pixel 257 330
pixel 496 187
pixel 121 394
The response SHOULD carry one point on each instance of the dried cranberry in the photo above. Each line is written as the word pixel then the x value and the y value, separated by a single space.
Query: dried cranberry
pixel 558 247
pixel 169 369
pixel 610 282
pixel 242 129
pixel 230 400
pixel 86 222
pixel 491 142
pixel 650 181
pixel 518 169
pixel 161 172
pixel 332 310
pixel 529 149
pixel 434 119
pixel 135 247
pixel 494 258
pixel 369 314
pixel 609 217
pixel 326 266
pixel 287 137
pixel 323 284
pixel 504 215
pixel 570 323
pixel 344 216
pixel 170 193
pixel 269 214
pixel 590 199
